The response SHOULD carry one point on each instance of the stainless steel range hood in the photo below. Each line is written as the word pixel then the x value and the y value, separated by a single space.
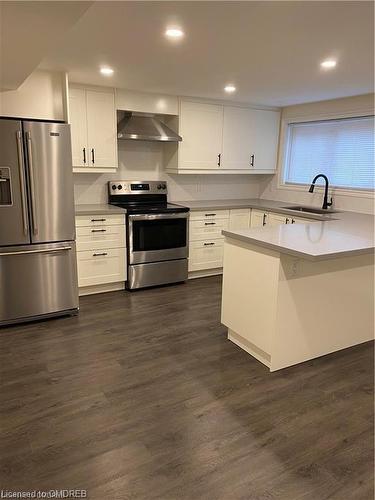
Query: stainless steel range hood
pixel 144 127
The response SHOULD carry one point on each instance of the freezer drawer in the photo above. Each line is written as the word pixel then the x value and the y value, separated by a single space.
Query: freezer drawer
pixel 37 280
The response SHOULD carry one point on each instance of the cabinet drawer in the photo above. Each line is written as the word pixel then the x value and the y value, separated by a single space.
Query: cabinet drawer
pixel 207 254
pixel 203 229
pixel 209 214
pixel 100 267
pixel 98 237
pixel 99 220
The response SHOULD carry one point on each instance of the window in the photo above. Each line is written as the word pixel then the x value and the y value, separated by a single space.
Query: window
pixel 342 149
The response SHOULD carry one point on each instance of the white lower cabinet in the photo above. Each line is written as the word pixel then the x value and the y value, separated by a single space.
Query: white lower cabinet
pixel 206 243
pixel 98 267
pixel 258 218
pixel 203 229
pixel 101 253
pixel 277 219
pixel 206 254
pixel 100 237
pixel 239 218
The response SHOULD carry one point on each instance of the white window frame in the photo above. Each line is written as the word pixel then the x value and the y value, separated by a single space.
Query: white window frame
pixel 284 151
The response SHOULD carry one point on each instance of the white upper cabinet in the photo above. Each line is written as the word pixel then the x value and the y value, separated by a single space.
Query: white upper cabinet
pixel 101 129
pixel 78 126
pixel 265 139
pixel 93 127
pixel 238 138
pixel 221 139
pixel 201 128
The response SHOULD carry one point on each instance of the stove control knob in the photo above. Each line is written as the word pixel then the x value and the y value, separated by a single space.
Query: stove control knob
pixel 119 186
pixel 114 187
pixel 160 186
pixel 164 186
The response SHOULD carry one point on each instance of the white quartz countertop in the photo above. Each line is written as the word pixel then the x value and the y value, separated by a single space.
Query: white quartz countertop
pixel 268 205
pixel 99 209
pixel 329 236
pixel 348 234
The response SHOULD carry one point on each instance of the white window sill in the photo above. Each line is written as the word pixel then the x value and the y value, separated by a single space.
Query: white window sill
pixel 359 193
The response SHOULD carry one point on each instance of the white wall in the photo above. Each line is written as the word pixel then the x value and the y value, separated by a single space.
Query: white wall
pixel 41 96
pixel 143 161
pixel 350 106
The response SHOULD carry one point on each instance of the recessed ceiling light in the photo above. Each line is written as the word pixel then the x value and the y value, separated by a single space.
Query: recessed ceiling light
pixel 230 88
pixel 174 33
pixel 328 64
pixel 106 71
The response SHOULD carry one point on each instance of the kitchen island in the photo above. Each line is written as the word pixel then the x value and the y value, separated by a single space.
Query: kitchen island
pixel 295 292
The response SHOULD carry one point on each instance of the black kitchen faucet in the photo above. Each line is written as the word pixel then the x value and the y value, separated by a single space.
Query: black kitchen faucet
pixel 326 203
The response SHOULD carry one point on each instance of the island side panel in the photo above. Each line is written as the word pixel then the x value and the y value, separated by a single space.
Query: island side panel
pixel 249 298
pixel 322 307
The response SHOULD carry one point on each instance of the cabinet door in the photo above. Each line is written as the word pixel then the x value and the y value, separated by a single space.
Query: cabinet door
pixel 78 127
pixel 201 128
pixel 258 218
pixel 101 127
pixel 276 219
pixel 238 138
pixel 239 219
pixel 265 139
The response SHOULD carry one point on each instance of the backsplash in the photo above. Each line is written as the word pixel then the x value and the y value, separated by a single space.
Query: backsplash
pixel 143 161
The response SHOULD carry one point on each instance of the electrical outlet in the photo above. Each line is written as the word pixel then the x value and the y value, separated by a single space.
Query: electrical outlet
pixel 295 267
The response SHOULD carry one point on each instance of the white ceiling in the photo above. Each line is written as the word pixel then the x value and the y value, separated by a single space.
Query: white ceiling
pixel 270 50
pixel 28 30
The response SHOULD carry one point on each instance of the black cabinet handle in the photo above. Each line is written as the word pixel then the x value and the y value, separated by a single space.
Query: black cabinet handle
pixel 219 159
pixel 98 220
pixel 99 254
pixel 252 158
pixel 293 221
pixel 287 221
pixel 84 155
pixel 98 230
pixel 209 215
pixel 93 155
pixel 264 219
pixel 210 223
pixel 208 244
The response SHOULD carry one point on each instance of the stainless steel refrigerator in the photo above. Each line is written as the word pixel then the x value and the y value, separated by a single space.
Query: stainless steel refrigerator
pixel 38 274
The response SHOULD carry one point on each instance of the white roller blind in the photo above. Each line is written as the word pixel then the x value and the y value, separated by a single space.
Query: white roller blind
pixel 342 149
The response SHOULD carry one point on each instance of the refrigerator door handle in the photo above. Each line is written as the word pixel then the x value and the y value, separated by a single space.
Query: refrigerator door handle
pixel 22 180
pixel 32 184
pixel 43 250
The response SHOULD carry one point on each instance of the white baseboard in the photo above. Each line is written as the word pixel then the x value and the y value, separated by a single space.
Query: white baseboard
pixel 205 273
pixel 109 287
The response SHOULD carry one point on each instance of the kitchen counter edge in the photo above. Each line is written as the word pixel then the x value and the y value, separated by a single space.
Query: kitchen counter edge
pixel 100 209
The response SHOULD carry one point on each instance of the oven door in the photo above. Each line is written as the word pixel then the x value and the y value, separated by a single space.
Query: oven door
pixel 157 237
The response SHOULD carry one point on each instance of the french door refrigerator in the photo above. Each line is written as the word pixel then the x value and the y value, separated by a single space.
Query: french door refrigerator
pixel 38 275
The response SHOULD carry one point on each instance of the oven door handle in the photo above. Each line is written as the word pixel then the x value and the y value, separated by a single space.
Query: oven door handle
pixel 135 217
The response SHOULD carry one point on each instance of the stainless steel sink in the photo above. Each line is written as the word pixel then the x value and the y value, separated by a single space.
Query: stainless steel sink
pixel 311 210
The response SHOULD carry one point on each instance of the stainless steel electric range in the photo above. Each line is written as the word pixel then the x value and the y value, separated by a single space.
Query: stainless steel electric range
pixel 157 233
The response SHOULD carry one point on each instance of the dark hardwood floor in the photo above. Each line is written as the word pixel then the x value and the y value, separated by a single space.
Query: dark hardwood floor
pixel 142 397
